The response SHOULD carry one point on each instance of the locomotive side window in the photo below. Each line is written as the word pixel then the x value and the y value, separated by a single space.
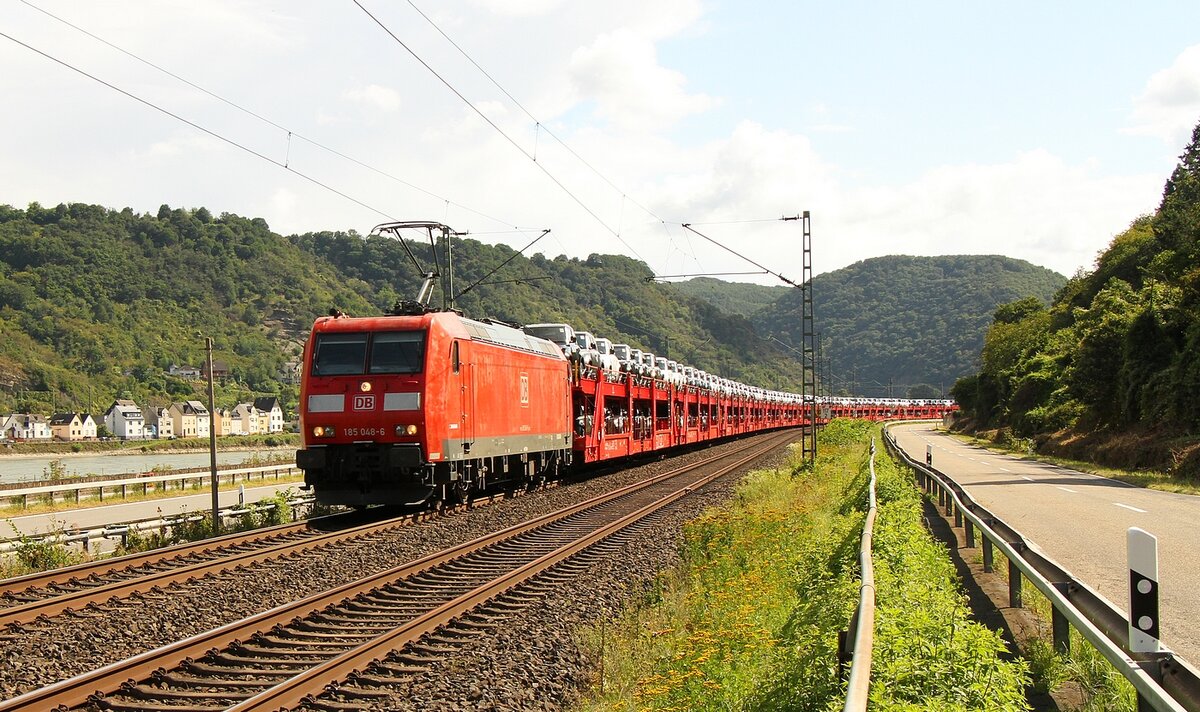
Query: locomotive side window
pixel 454 363
pixel 397 352
pixel 339 354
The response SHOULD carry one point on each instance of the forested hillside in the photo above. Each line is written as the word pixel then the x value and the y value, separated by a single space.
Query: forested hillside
pixel 95 302
pixel 1117 349
pixel 732 297
pixel 902 321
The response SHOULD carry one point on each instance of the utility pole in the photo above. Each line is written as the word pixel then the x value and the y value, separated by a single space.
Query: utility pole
pixel 212 441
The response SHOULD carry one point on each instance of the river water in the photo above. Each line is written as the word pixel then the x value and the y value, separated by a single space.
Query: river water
pixel 35 468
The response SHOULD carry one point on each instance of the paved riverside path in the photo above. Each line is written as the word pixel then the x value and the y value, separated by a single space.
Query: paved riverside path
pixel 1080 521
pixel 95 517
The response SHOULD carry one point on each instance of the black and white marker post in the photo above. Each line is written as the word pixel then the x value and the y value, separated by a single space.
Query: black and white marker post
pixel 1143 592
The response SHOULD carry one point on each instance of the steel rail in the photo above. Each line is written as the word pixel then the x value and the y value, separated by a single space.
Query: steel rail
pixel 863 625
pixel 1163 681
pixel 294 691
pixel 100 567
pixel 182 572
pixel 78 690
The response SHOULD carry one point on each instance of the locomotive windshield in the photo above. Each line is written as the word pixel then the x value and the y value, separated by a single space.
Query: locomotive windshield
pixel 346 354
pixel 397 352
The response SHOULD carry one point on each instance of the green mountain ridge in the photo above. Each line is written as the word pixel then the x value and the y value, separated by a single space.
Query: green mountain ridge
pixel 890 323
pixel 97 302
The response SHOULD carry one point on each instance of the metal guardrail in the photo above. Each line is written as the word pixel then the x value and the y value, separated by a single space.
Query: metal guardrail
pixel 54 490
pixel 84 537
pixel 862 625
pixel 1163 681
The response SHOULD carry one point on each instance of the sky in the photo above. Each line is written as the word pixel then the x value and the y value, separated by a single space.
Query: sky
pixel 1030 129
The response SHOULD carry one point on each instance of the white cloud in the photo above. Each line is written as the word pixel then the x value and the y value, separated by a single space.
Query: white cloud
pixel 374 96
pixel 183 143
pixel 1035 207
pixel 519 8
pixel 620 71
pixel 284 202
pixel 1170 105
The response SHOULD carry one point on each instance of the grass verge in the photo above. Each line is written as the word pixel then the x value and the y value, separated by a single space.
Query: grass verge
pixel 1082 680
pixel 750 618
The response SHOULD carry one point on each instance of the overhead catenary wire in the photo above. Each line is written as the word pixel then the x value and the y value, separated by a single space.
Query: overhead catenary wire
pixel 540 127
pixel 198 127
pixel 688 226
pixel 540 166
pixel 250 112
pixel 501 265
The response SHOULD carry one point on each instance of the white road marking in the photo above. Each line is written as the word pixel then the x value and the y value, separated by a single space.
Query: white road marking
pixel 1067 489
pixel 1003 469
pixel 1126 506
pixel 1027 478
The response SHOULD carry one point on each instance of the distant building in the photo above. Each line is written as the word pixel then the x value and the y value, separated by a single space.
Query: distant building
pixel 88 425
pixel 270 406
pixel 159 423
pixel 222 421
pixel 20 427
pixel 190 419
pixel 189 372
pixel 245 419
pixel 290 372
pixel 220 370
pixel 66 426
pixel 124 420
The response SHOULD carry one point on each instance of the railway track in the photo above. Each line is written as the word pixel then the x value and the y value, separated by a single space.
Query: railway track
pixel 423 609
pixel 26 598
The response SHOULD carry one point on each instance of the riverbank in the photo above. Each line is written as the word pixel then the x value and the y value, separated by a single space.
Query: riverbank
pixel 148 447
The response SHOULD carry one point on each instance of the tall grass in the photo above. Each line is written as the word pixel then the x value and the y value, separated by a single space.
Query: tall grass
pixel 750 618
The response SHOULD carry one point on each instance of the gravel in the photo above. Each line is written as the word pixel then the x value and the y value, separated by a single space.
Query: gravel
pixel 532 663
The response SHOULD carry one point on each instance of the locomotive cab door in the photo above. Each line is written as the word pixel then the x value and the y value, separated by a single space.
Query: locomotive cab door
pixel 460 364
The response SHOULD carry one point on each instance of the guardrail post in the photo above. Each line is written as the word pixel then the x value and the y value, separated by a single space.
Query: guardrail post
pixel 987 555
pixel 1061 629
pixel 949 502
pixel 1014 584
pixel 970 534
pixel 958 516
pixel 844 653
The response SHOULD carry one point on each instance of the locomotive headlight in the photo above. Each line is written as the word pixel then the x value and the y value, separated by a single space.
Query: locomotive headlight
pixel 406 430
pixel 323 431
pixel 365 386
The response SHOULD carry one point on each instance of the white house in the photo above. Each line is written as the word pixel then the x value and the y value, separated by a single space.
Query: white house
pixel 188 372
pixel 270 406
pixel 26 426
pixel 245 419
pixel 124 420
pixel 88 425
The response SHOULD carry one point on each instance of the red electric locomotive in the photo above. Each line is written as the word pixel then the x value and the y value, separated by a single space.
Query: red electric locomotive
pixel 408 408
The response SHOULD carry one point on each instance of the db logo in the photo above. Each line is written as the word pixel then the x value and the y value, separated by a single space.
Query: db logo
pixel 524 389
pixel 364 402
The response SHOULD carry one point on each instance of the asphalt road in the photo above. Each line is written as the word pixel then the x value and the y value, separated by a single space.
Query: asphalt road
pixel 1080 520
